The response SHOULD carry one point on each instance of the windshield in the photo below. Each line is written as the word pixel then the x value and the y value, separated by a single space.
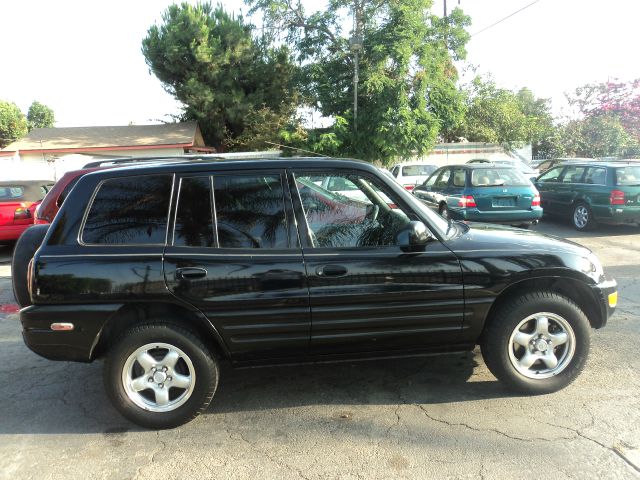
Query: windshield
pixel 497 177
pixel 629 175
pixel 418 170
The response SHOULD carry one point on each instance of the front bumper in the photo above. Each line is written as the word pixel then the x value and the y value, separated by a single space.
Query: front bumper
pixel 75 345
pixel 607 294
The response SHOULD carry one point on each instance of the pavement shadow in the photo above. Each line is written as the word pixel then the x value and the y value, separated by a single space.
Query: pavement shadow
pixel 63 397
pixel 562 227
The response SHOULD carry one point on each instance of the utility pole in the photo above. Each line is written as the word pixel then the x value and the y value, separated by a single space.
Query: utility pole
pixel 355 43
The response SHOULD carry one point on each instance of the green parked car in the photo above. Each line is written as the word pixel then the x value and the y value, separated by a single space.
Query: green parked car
pixel 592 192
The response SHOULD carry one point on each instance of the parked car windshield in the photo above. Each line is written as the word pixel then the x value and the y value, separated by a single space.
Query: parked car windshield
pixel 418 170
pixel 629 175
pixel 494 177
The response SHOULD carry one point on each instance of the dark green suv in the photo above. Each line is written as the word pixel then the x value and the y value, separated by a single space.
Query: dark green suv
pixel 592 192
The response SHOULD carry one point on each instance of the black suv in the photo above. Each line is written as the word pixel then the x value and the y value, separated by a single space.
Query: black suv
pixel 166 270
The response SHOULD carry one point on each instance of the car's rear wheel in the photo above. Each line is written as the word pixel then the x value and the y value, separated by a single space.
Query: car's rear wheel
pixel 160 375
pixel 582 217
pixel 23 252
pixel 537 343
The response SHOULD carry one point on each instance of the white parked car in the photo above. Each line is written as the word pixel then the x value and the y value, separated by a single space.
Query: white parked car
pixel 410 174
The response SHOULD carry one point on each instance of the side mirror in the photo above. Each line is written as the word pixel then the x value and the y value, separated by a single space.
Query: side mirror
pixel 414 237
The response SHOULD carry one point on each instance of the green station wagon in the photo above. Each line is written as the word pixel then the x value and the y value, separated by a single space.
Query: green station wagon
pixel 592 192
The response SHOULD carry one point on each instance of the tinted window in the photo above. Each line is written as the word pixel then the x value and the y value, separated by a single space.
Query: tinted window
pixel 194 220
pixel 573 174
pixel 250 211
pixel 494 177
pixel 129 210
pixel 628 175
pixel 366 217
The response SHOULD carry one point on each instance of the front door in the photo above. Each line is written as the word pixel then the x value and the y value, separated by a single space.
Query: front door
pixel 366 293
pixel 244 270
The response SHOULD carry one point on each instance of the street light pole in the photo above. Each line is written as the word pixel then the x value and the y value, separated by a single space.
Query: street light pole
pixel 355 43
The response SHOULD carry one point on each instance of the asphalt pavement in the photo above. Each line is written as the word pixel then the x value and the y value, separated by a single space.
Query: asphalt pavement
pixel 431 417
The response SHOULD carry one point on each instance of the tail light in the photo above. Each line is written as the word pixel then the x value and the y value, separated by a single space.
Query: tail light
pixel 409 187
pixel 616 197
pixel 22 213
pixel 467 201
pixel 536 201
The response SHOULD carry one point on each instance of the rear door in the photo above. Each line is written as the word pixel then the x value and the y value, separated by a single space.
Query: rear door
pixel 246 274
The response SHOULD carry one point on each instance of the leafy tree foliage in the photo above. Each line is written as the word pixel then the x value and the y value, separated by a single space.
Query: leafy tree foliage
pixel 407 90
pixel 610 123
pixel 13 123
pixel 210 61
pixel 40 116
pixel 499 115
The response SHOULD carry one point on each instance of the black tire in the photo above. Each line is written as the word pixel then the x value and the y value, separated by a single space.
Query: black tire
pixel 23 252
pixel 582 217
pixel 501 354
pixel 443 210
pixel 204 374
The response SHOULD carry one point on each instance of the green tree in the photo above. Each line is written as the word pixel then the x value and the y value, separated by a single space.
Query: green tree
pixel 499 115
pixel 407 91
pixel 40 116
pixel 13 123
pixel 210 61
pixel 596 136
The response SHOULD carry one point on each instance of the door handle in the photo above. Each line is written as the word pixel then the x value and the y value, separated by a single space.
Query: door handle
pixel 190 273
pixel 331 271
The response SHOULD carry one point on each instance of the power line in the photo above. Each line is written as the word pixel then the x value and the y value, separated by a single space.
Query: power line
pixel 505 18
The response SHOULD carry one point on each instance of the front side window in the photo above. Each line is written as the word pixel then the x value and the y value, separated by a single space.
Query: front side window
pixel 443 178
pixel 194 221
pixel 366 217
pixel 129 210
pixel 552 175
pixel 250 211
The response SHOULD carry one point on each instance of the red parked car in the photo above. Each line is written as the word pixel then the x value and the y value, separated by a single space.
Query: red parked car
pixel 18 202
pixel 50 205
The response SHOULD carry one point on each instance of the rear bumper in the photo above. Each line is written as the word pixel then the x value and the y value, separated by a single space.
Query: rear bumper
pixel 496 216
pixel 75 345
pixel 12 232
pixel 617 214
pixel 607 294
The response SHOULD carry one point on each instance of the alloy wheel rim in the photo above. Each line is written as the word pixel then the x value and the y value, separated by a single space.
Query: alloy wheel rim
pixel 158 377
pixel 581 216
pixel 542 345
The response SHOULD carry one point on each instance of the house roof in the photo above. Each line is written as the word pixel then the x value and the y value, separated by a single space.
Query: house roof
pixel 131 137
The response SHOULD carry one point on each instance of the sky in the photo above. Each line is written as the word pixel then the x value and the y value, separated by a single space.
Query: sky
pixel 83 58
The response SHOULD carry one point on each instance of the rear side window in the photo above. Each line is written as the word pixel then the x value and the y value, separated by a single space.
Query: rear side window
pixel 250 211
pixel 596 176
pixel 459 177
pixel 194 220
pixel 129 210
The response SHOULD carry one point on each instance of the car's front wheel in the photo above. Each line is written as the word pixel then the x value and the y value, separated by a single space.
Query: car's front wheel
pixel 537 343
pixel 160 375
